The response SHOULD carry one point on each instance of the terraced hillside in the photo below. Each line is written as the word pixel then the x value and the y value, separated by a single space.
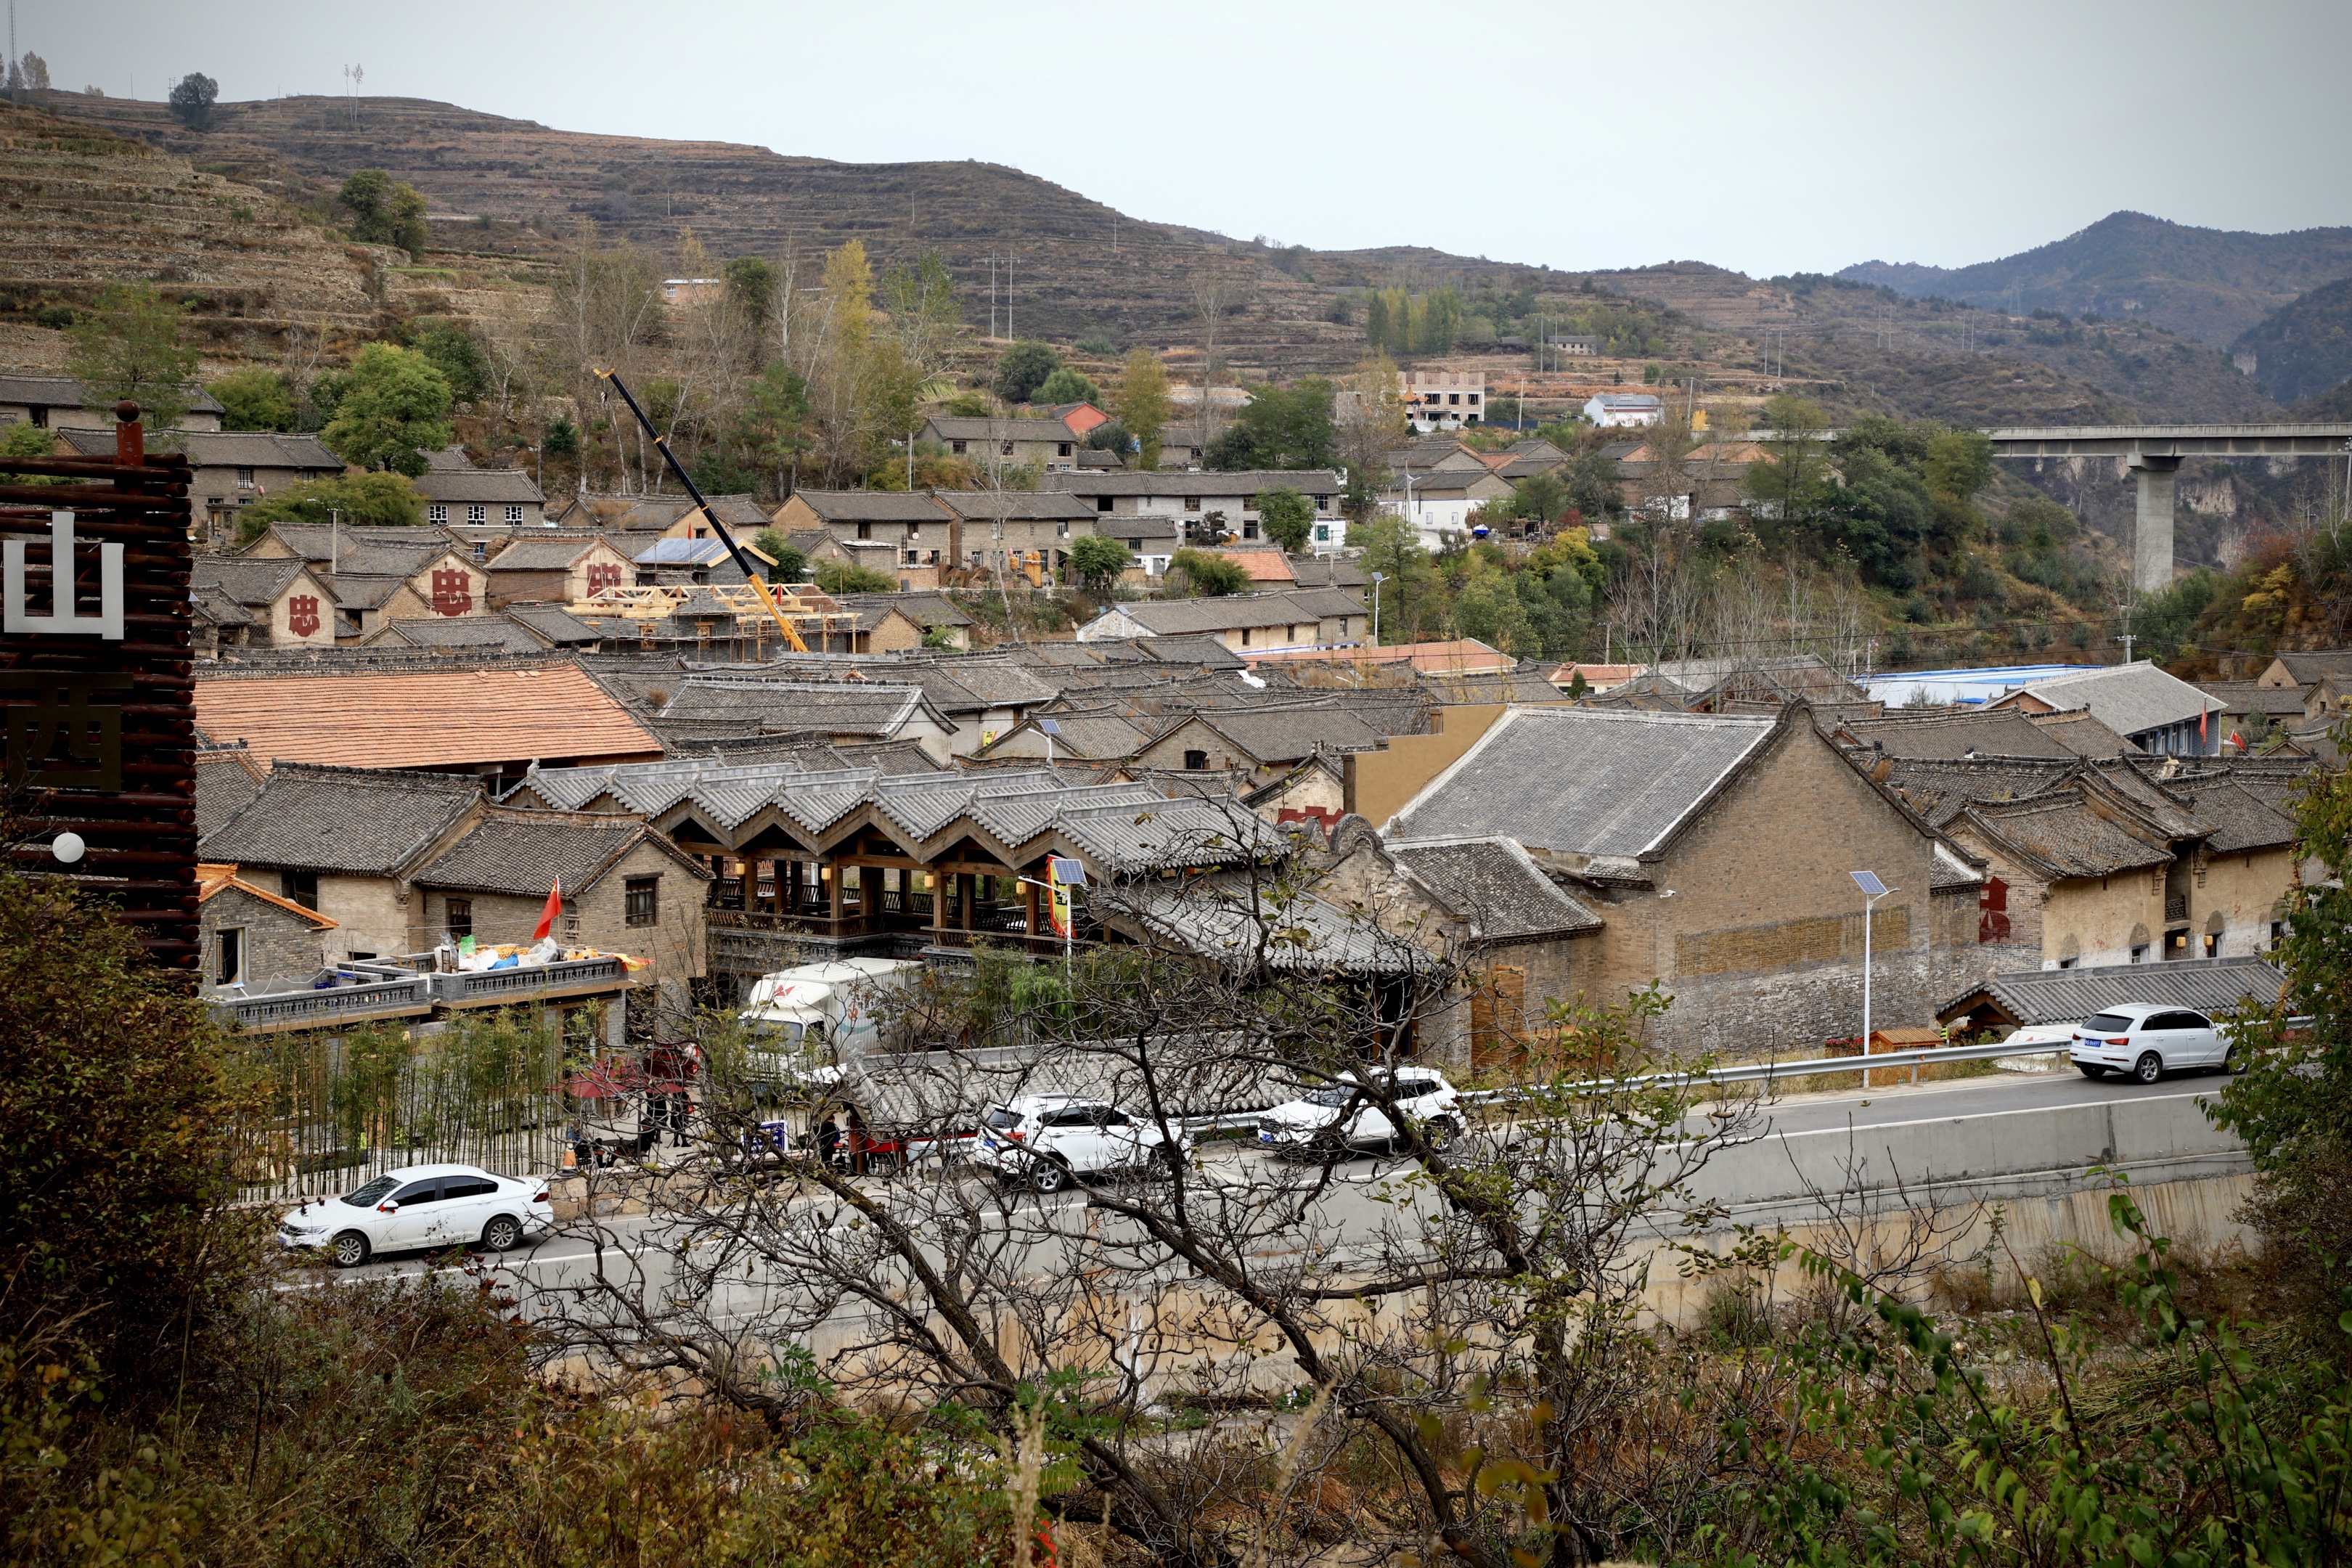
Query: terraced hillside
pixel 84 206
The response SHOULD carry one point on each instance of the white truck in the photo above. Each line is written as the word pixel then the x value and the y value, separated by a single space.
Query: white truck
pixel 801 1024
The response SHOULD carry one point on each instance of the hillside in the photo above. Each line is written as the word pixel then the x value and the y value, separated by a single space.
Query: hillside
pixel 1934 359
pixel 85 206
pixel 508 194
pixel 2203 283
pixel 2303 349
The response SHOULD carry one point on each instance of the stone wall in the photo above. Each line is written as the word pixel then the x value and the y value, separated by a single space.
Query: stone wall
pixel 278 943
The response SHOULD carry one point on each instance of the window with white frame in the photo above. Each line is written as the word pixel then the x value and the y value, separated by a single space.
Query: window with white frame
pixel 436 513
pixel 514 514
pixel 478 514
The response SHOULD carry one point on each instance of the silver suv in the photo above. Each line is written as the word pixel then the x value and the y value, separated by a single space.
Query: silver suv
pixel 1049 1138
pixel 2148 1041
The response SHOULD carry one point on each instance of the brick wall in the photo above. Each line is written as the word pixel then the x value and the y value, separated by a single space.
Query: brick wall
pixel 278 943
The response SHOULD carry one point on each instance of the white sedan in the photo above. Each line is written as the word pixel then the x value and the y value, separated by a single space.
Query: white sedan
pixel 2148 1041
pixel 1312 1124
pixel 420 1206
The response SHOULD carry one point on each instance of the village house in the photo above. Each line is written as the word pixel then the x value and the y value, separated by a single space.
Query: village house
pixel 58 403
pixel 713 705
pixel 380 574
pixel 2158 712
pixel 2094 863
pixel 899 623
pixel 1443 399
pixel 1624 410
pixel 529 628
pixel 459 495
pixel 272 603
pixel 561 568
pixel 1315 617
pixel 701 561
pixel 1046 444
pixel 232 469
pixel 1717 852
pixel 1445 502
pixel 671 516
pixel 919 532
pixel 1003 530
pixel 248 934
pixel 1256 745
pixel 1203 507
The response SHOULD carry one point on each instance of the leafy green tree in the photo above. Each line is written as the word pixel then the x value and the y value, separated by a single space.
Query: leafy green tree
pixel 192 100
pixel 1023 369
pixel 254 399
pixel 1111 436
pixel 751 286
pixel 1541 499
pixel 26 440
pixel 1208 577
pixel 1098 561
pixel 791 565
pixel 561 439
pixel 455 351
pixel 1280 427
pixel 1958 463
pixel 385 211
pixel 1391 548
pixel 1288 516
pixel 1790 476
pixel 1067 385
pixel 394 408
pixel 129 346
pixel 374 500
pixel 1141 403
pixel 772 424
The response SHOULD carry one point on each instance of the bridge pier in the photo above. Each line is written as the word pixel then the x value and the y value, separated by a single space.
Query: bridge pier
pixel 2159 474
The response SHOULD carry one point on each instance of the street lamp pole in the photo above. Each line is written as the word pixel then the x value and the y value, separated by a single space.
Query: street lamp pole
pixel 1378 578
pixel 1873 889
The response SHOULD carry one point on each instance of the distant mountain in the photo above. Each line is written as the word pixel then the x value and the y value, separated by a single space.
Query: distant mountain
pixel 2303 349
pixel 2206 283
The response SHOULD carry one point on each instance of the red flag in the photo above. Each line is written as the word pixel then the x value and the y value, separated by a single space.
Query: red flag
pixel 547 916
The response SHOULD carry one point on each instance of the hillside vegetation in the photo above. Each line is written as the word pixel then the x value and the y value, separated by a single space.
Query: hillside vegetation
pixel 2304 349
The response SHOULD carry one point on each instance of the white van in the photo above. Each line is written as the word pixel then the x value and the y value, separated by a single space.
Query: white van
pixel 803 1021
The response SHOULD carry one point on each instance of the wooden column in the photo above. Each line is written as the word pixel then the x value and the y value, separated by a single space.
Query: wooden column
pixel 1029 906
pixel 970 882
pixel 840 874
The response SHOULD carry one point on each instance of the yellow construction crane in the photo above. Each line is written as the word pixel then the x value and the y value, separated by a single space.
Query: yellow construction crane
pixel 751 578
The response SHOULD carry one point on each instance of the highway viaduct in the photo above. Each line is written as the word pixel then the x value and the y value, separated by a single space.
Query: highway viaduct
pixel 2154 453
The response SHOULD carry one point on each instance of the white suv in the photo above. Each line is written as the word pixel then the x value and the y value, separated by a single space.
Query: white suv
pixel 1049 1138
pixel 2148 1041
pixel 1341 1116
pixel 422 1206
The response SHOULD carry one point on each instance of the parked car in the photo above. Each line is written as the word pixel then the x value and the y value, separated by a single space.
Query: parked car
pixel 422 1206
pixel 1049 1138
pixel 2148 1041
pixel 1341 1116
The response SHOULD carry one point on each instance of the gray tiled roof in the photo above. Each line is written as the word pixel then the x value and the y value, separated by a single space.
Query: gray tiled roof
pixel 2241 818
pixel 2061 836
pixel 1938 788
pixel 2130 698
pixel 2084 735
pixel 1160 482
pixel 313 817
pixel 872 506
pixel 528 554
pixel 1493 884
pixel 243 581
pixel 362 589
pixel 1583 781
pixel 1287 733
pixel 2253 697
pixel 954 427
pixel 225 786
pixel 2069 996
pixel 1028 506
pixel 1225 919
pixel 317 541
pixel 468 632
pixel 526 852
pixel 1233 611
pixel 2327 664
pixel 1945 733
pixel 67 392
pixel 495 486
pixel 554 625
pixel 867 708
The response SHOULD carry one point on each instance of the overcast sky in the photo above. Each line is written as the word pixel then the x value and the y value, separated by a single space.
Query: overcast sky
pixel 1771 138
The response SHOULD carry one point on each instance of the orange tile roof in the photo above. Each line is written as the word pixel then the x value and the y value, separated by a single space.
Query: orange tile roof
pixel 211 878
pixel 1263 565
pixel 425 718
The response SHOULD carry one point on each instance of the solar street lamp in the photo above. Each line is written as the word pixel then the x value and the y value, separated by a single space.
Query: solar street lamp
pixel 1873 889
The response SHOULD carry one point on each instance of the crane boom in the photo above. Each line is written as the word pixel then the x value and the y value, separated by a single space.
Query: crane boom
pixel 759 586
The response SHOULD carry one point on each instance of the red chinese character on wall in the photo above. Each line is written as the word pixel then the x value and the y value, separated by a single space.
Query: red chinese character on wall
pixel 453 591
pixel 1992 912
pixel 302 614
pixel 602 574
